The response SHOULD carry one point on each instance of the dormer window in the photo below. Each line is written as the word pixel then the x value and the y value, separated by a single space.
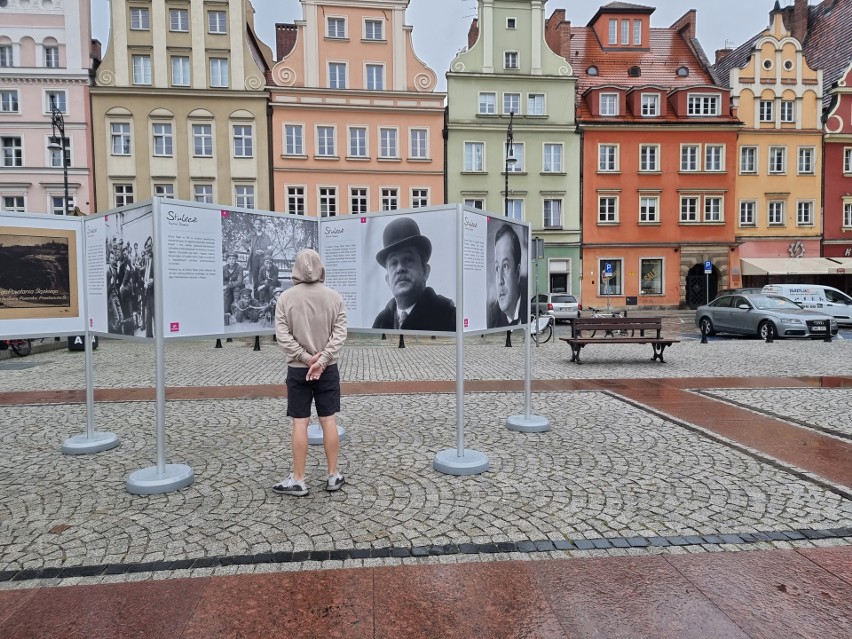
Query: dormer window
pixel 682 72
pixel 650 105
pixel 637 33
pixel 592 70
pixel 634 72
pixel 613 31
pixel 625 32
pixel 609 104
pixel 703 104
pixel 511 23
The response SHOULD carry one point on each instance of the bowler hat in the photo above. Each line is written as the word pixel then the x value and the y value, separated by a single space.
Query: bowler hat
pixel 402 232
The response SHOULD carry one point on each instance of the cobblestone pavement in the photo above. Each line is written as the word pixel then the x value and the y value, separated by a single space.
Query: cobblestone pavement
pixel 607 469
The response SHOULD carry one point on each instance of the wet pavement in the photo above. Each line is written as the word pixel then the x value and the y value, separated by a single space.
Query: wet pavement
pixel 710 496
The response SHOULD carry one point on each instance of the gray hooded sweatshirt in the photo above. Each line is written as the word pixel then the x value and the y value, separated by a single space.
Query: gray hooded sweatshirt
pixel 310 317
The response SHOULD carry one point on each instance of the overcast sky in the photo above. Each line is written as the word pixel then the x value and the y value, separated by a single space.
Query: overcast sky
pixel 440 26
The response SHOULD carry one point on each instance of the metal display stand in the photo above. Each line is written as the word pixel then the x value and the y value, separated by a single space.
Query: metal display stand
pixel 315 435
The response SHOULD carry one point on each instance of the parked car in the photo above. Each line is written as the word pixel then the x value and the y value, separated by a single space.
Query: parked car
pixel 561 306
pixel 762 315
pixel 825 299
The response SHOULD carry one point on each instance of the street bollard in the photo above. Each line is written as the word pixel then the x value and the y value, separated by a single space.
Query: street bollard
pixel 769 332
pixel 257 342
pixel 508 339
pixel 827 337
pixel 401 341
pixel 703 332
pixel 218 343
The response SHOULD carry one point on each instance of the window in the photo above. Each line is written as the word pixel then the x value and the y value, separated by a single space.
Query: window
pixel 517 151
pixel 552 158
pixel 553 214
pixel 689 209
pixel 511 23
pixel 373 30
pixel 419 146
pixel 178 20
pixel 51 57
pixel 244 196
pixel 607 209
pixel 9 101
pixel 475 203
pixel 57 204
pixel 788 111
pixel 689 157
pixel 650 105
pixel 535 104
pixel 805 214
pixel 123 194
pixel 164 190
pixel 419 198
pixel 777 159
pixel 390 199
pixel 637 33
pixel 293 139
pixel 608 157
pixel 510 60
pixel 610 285
pixel 6 56
pixel 625 32
pixel 217 22
pixel 219 72
pixel 649 159
pixel 141 69
pixel 140 19
pixel 847 160
pixel 202 137
pixel 388 147
pixel 375 77
pixel 511 103
pixel 57 98
pixel 766 111
pixel 16 203
pixel 613 32
pixel 748 159
pixel 697 105
pixel 714 157
pixel 487 103
pixel 120 137
pixel 203 193
pixel 747 208
pixel 243 141
pixel 163 140
pixel 180 71
pixel 358 142
pixel 325 141
pixel 55 155
pixel 515 209
pixel 847 214
pixel 336 75
pixel 474 157
pixel 296 200
pixel 649 206
pixel 358 200
pixel 712 209
pixel 652 276
pixel 328 201
pixel 609 104
pixel 335 27
pixel 806 160
pixel 775 216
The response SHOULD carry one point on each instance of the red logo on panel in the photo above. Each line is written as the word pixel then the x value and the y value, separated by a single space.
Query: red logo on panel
pixel 466 322
pixel 174 327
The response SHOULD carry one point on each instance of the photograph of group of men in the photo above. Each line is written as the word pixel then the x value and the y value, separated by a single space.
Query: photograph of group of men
pixel 129 277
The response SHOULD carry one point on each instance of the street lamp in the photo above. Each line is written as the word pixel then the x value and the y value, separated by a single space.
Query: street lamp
pixel 58 124
pixel 510 161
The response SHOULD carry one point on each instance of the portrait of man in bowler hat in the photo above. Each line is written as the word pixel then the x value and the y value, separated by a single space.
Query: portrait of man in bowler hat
pixel 405 258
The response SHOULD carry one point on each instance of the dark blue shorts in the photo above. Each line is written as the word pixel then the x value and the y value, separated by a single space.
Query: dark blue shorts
pixel 324 392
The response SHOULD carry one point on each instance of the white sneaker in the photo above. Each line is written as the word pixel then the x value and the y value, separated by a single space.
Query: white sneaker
pixel 290 486
pixel 334 482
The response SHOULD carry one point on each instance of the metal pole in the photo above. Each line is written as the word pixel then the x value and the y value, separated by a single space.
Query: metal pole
pixel 509 141
pixel 64 172
pixel 57 123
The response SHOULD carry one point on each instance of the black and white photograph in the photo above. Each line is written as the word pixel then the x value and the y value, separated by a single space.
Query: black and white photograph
pixel 257 263
pixel 129 252
pixel 507 274
pixel 410 266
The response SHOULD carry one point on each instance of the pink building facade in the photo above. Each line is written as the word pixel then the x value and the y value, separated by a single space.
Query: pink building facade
pixel 837 231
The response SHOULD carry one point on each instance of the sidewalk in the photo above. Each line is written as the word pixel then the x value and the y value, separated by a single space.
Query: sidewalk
pixel 650 479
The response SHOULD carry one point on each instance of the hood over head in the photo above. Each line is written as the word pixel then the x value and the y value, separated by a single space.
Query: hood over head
pixel 308 267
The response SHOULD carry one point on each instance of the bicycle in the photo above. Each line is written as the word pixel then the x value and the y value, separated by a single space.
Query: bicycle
pixel 20 347
pixel 618 332
pixel 541 328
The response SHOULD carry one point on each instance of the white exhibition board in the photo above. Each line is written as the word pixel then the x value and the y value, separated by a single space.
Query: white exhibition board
pixel 41 275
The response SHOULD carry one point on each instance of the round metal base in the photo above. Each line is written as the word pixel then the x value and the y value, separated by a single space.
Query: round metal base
pixel 531 424
pixel 315 434
pixel 149 482
pixel 470 463
pixel 83 444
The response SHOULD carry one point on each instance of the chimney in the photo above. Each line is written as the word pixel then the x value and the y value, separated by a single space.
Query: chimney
pixel 799 29
pixel 557 33
pixel 285 39
pixel 473 33
pixel 721 54
pixel 95 53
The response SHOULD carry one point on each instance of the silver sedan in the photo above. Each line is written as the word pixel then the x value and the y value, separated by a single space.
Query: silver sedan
pixel 762 315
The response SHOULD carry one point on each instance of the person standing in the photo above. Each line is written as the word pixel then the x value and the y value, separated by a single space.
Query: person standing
pixel 258 245
pixel 310 327
pixel 232 280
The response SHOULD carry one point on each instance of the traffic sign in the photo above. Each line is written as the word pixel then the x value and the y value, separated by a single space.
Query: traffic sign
pixel 708 267
pixel 608 267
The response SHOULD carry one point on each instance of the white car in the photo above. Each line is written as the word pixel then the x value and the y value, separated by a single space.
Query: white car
pixel 561 306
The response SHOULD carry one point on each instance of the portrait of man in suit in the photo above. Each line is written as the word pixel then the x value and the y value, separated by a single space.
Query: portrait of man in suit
pixel 509 307
pixel 415 306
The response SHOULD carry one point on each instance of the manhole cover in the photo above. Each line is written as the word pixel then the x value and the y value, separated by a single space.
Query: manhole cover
pixel 16 366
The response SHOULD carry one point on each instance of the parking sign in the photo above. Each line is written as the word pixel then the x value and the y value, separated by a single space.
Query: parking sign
pixel 708 267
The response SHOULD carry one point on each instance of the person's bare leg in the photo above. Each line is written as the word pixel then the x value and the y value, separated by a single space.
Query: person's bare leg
pixel 330 441
pixel 299 444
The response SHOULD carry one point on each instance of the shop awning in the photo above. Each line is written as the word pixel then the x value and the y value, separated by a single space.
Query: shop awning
pixel 794 265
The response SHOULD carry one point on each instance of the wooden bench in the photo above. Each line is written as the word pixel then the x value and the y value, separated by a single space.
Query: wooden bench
pixel 617 330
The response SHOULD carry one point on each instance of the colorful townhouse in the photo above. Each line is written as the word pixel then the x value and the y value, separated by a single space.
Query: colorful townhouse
pixel 778 97
pixel 659 162
pixel 356 123
pixel 179 105
pixel 512 143
pixel 837 242
pixel 44 61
